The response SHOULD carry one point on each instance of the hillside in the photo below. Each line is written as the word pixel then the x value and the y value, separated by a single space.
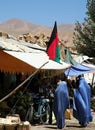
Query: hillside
pixel 17 27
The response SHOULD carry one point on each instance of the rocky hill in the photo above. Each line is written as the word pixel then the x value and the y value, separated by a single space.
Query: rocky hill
pixel 29 31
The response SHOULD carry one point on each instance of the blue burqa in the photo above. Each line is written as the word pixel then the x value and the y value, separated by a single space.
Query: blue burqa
pixel 61 103
pixel 81 103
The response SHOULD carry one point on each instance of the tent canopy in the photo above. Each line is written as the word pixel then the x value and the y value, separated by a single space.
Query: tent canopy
pixel 13 65
pixel 28 62
pixel 78 70
pixel 18 56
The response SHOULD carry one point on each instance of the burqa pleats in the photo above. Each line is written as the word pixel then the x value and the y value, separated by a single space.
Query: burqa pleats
pixel 61 103
pixel 81 102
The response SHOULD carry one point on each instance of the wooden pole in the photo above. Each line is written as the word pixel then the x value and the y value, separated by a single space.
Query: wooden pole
pixel 19 86
pixel 92 80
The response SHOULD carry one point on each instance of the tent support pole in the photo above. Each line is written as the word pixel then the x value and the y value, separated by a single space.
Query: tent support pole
pixel 92 80
pixel 68 72
pixel 19 86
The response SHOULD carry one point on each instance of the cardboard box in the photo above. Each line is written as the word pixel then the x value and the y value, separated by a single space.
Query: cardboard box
pixel 68 114
pixel 15 119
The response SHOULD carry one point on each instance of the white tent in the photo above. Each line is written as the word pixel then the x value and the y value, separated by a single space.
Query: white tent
pixel 80 58
pixel 92 66
pixel 36 60
pixel 18 56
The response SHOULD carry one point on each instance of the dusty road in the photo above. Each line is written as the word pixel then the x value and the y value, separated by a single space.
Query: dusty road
pixel 70 125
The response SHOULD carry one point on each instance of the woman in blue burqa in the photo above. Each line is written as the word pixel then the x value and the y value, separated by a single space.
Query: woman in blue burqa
pixel 61 102
pixel 81 102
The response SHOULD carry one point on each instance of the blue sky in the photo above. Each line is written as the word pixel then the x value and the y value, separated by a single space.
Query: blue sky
pixel 44 12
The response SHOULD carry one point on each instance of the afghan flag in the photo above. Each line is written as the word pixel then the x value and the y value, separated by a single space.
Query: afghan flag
pixel 53 49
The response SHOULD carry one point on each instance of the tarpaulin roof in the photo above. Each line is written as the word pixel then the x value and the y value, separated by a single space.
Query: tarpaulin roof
pixel 18 46
pixel 13 65
pixel 36 60
pixel 77 70
pixel 18 56
pixel 80 58
pixel 90 65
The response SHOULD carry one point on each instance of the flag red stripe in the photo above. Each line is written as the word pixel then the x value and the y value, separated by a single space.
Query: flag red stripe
pixel 53 35
pixel 52 44
pixel 51 51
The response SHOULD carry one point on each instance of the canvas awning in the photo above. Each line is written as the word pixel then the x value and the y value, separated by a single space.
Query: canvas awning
pixel 18 56
pixel 16 62
pixel 13 65
pixel 78 70
pixel 92 66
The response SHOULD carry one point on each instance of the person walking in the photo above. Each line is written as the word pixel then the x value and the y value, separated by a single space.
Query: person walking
pixel 81 102
pixel 61 102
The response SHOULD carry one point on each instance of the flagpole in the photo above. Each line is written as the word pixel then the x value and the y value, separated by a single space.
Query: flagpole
pixel 19 86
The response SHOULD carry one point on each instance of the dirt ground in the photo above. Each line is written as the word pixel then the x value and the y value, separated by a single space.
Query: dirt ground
pixel 70 125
